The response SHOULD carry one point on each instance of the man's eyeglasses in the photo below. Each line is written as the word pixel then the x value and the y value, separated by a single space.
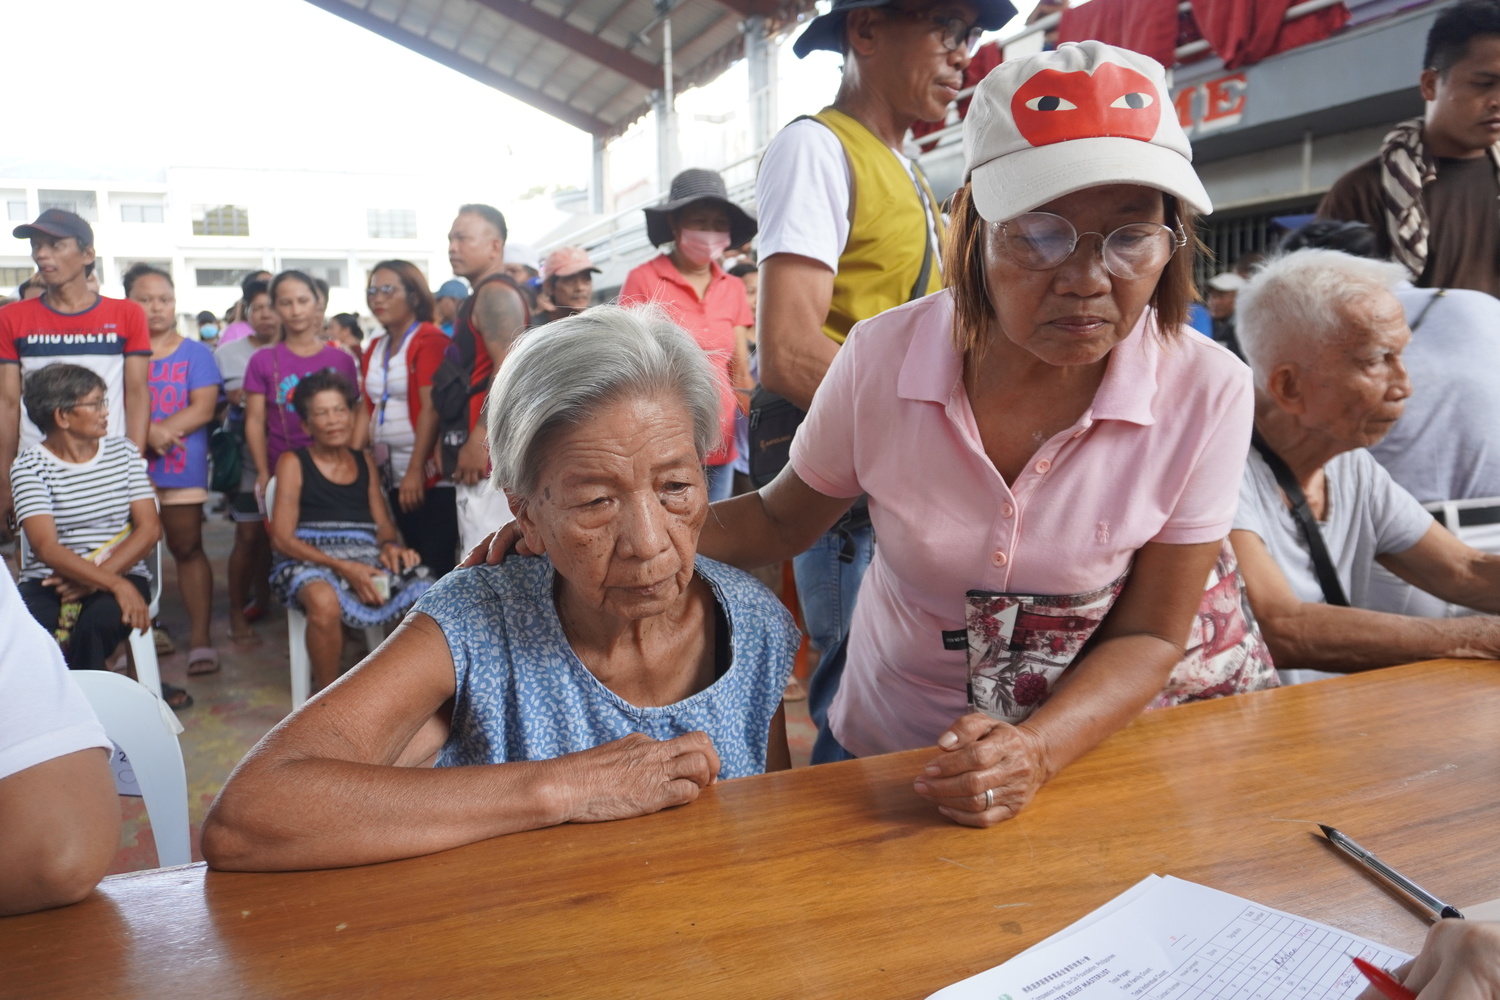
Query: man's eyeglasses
pixel 955 31
pixel 1041 241
pixel 375 290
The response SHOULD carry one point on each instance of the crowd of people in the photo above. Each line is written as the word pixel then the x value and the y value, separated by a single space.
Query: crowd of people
pixel 1084 508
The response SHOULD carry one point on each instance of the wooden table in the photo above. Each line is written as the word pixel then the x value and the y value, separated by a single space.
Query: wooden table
pixel 838 881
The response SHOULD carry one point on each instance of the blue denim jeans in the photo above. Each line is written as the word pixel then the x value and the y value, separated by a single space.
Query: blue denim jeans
pixel 720 481
pixel 827 585
pixel 820 692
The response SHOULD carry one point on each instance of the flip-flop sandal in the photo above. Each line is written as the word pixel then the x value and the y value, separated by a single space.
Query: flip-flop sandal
pixel 202 660
pixel 164 644
pixel 176 698
pixel 254 612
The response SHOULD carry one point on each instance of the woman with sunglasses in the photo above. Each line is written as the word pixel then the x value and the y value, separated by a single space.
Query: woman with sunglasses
pixel 1052 460
pixel 397 368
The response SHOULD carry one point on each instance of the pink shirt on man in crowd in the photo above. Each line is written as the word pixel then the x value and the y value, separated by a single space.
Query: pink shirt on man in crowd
pixel 711 320
pixel 1156 458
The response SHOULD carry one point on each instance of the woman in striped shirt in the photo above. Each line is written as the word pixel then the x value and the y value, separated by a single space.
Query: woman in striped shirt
pixel 88 511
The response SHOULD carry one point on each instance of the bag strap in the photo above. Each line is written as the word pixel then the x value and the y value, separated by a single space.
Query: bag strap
pixel 1328 578
pixel 1427 308
pixel 929 230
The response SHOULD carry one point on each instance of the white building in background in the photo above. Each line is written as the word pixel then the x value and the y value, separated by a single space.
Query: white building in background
pixel 209 226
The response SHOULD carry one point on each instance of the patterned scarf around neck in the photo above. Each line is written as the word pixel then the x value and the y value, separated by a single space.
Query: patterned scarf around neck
pixel 1405 169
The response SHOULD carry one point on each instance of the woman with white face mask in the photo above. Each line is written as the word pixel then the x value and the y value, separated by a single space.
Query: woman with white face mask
pixel 701 223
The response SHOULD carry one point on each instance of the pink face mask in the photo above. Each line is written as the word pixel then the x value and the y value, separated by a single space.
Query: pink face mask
pixel 701 247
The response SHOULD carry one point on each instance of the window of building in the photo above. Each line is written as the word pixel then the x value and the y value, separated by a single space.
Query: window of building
pixel 81 203
pixel 221 277
pixel 331 271
pixel 11 278
pixel 221 220
pixel 393 223
pixel 141 213
pixel 15 206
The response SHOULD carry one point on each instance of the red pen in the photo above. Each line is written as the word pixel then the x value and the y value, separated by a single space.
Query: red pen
pixel 1384 981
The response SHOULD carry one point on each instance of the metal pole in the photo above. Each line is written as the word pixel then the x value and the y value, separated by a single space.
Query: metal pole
pixel 669 106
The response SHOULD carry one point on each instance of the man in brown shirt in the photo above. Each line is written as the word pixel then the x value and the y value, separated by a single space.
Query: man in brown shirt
pixel 1432 196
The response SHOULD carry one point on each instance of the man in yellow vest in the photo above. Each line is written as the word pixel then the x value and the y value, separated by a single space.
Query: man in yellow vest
pixel 849 227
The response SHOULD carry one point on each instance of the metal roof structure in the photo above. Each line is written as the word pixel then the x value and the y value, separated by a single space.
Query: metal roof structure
pixel 591 63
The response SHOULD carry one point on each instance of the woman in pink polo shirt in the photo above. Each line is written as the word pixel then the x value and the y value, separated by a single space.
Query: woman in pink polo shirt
pixel 1051 462
pixel 700 222
pixel 1052 458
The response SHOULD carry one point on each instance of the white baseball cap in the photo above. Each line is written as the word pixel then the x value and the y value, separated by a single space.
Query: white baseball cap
pixel 524 254
pixel 1082 115
pixel 1227 281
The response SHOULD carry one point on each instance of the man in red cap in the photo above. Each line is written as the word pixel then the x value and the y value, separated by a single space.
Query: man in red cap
pixel 567 284
pixel 71 323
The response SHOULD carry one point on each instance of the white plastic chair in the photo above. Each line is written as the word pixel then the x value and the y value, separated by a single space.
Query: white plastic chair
pixel 143 726
pixel 296 633
pixel 142 644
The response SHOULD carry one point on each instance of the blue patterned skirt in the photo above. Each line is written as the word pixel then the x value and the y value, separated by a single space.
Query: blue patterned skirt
pixel 355 542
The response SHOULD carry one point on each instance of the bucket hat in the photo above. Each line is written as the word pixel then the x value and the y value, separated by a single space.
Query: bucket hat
pixel 695 184
pixel 1086 114
pixel 827 31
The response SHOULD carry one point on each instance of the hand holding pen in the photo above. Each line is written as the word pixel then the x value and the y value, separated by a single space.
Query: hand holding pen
pixel 1460 960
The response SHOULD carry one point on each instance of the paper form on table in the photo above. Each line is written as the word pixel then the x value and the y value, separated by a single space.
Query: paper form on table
pixel 1179 940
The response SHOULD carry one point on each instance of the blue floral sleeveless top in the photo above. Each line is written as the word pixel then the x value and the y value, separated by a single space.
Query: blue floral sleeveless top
pixel 523 694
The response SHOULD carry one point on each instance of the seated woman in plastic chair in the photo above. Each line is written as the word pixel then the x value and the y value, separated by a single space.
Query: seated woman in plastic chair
pixel 88 511
pixel 341 560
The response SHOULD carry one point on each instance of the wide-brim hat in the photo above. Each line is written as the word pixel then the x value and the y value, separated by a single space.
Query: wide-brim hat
pixel 827 31
pixel 693 185
pixel 1086 114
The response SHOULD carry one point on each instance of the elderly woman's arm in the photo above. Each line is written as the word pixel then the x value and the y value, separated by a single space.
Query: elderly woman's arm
pixel 79 576
pixel 338 782
pixel 1315 636
pixel 1140 641
pixel 1444 566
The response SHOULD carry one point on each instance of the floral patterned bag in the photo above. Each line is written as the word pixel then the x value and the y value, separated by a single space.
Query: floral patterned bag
pixel 1020 645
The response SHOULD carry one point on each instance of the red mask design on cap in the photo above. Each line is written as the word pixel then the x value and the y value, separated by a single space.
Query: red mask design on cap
pixel 1114 100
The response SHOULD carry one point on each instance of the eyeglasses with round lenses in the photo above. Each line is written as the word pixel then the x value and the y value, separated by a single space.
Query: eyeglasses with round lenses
pixel 375 290
pixel 1041 241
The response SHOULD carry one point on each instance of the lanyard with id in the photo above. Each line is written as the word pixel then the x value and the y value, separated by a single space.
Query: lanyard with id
pixel 385 388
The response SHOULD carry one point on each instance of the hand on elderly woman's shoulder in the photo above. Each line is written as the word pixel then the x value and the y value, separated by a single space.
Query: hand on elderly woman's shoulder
pixel 636 775
pixel 980 755
pixel 493 548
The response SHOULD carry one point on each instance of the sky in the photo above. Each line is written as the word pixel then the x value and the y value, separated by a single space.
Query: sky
pixel 284 84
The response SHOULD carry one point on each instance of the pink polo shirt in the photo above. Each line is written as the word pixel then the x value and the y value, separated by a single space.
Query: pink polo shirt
pixel 711 320
pixel 1157 457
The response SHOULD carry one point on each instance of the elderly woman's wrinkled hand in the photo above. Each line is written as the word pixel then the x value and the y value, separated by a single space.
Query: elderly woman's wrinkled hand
pixel 493 548
pixel 636 775
pixel 987 772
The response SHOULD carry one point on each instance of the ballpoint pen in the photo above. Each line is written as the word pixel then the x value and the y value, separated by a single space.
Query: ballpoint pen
pixel 1434 906
pixel 1384 981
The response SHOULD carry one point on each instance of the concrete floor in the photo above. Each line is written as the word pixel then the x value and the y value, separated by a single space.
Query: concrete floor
pixel 250 693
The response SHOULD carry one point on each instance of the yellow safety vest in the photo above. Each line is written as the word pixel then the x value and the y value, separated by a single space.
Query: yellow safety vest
pixel 888 227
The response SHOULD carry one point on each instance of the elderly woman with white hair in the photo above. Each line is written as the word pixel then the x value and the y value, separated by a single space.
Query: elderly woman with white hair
pixel 1324 332
pixel 615 674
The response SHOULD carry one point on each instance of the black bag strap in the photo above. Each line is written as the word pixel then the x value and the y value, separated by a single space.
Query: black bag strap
pixel 929 231
pixel 1328 578
pixel 1427 308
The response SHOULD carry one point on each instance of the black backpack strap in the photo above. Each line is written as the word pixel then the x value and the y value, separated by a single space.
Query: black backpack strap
pixel 1328 578
pixel 1427 308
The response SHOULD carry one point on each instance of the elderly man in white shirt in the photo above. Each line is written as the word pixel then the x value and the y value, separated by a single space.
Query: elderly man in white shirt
pixel 1324 333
